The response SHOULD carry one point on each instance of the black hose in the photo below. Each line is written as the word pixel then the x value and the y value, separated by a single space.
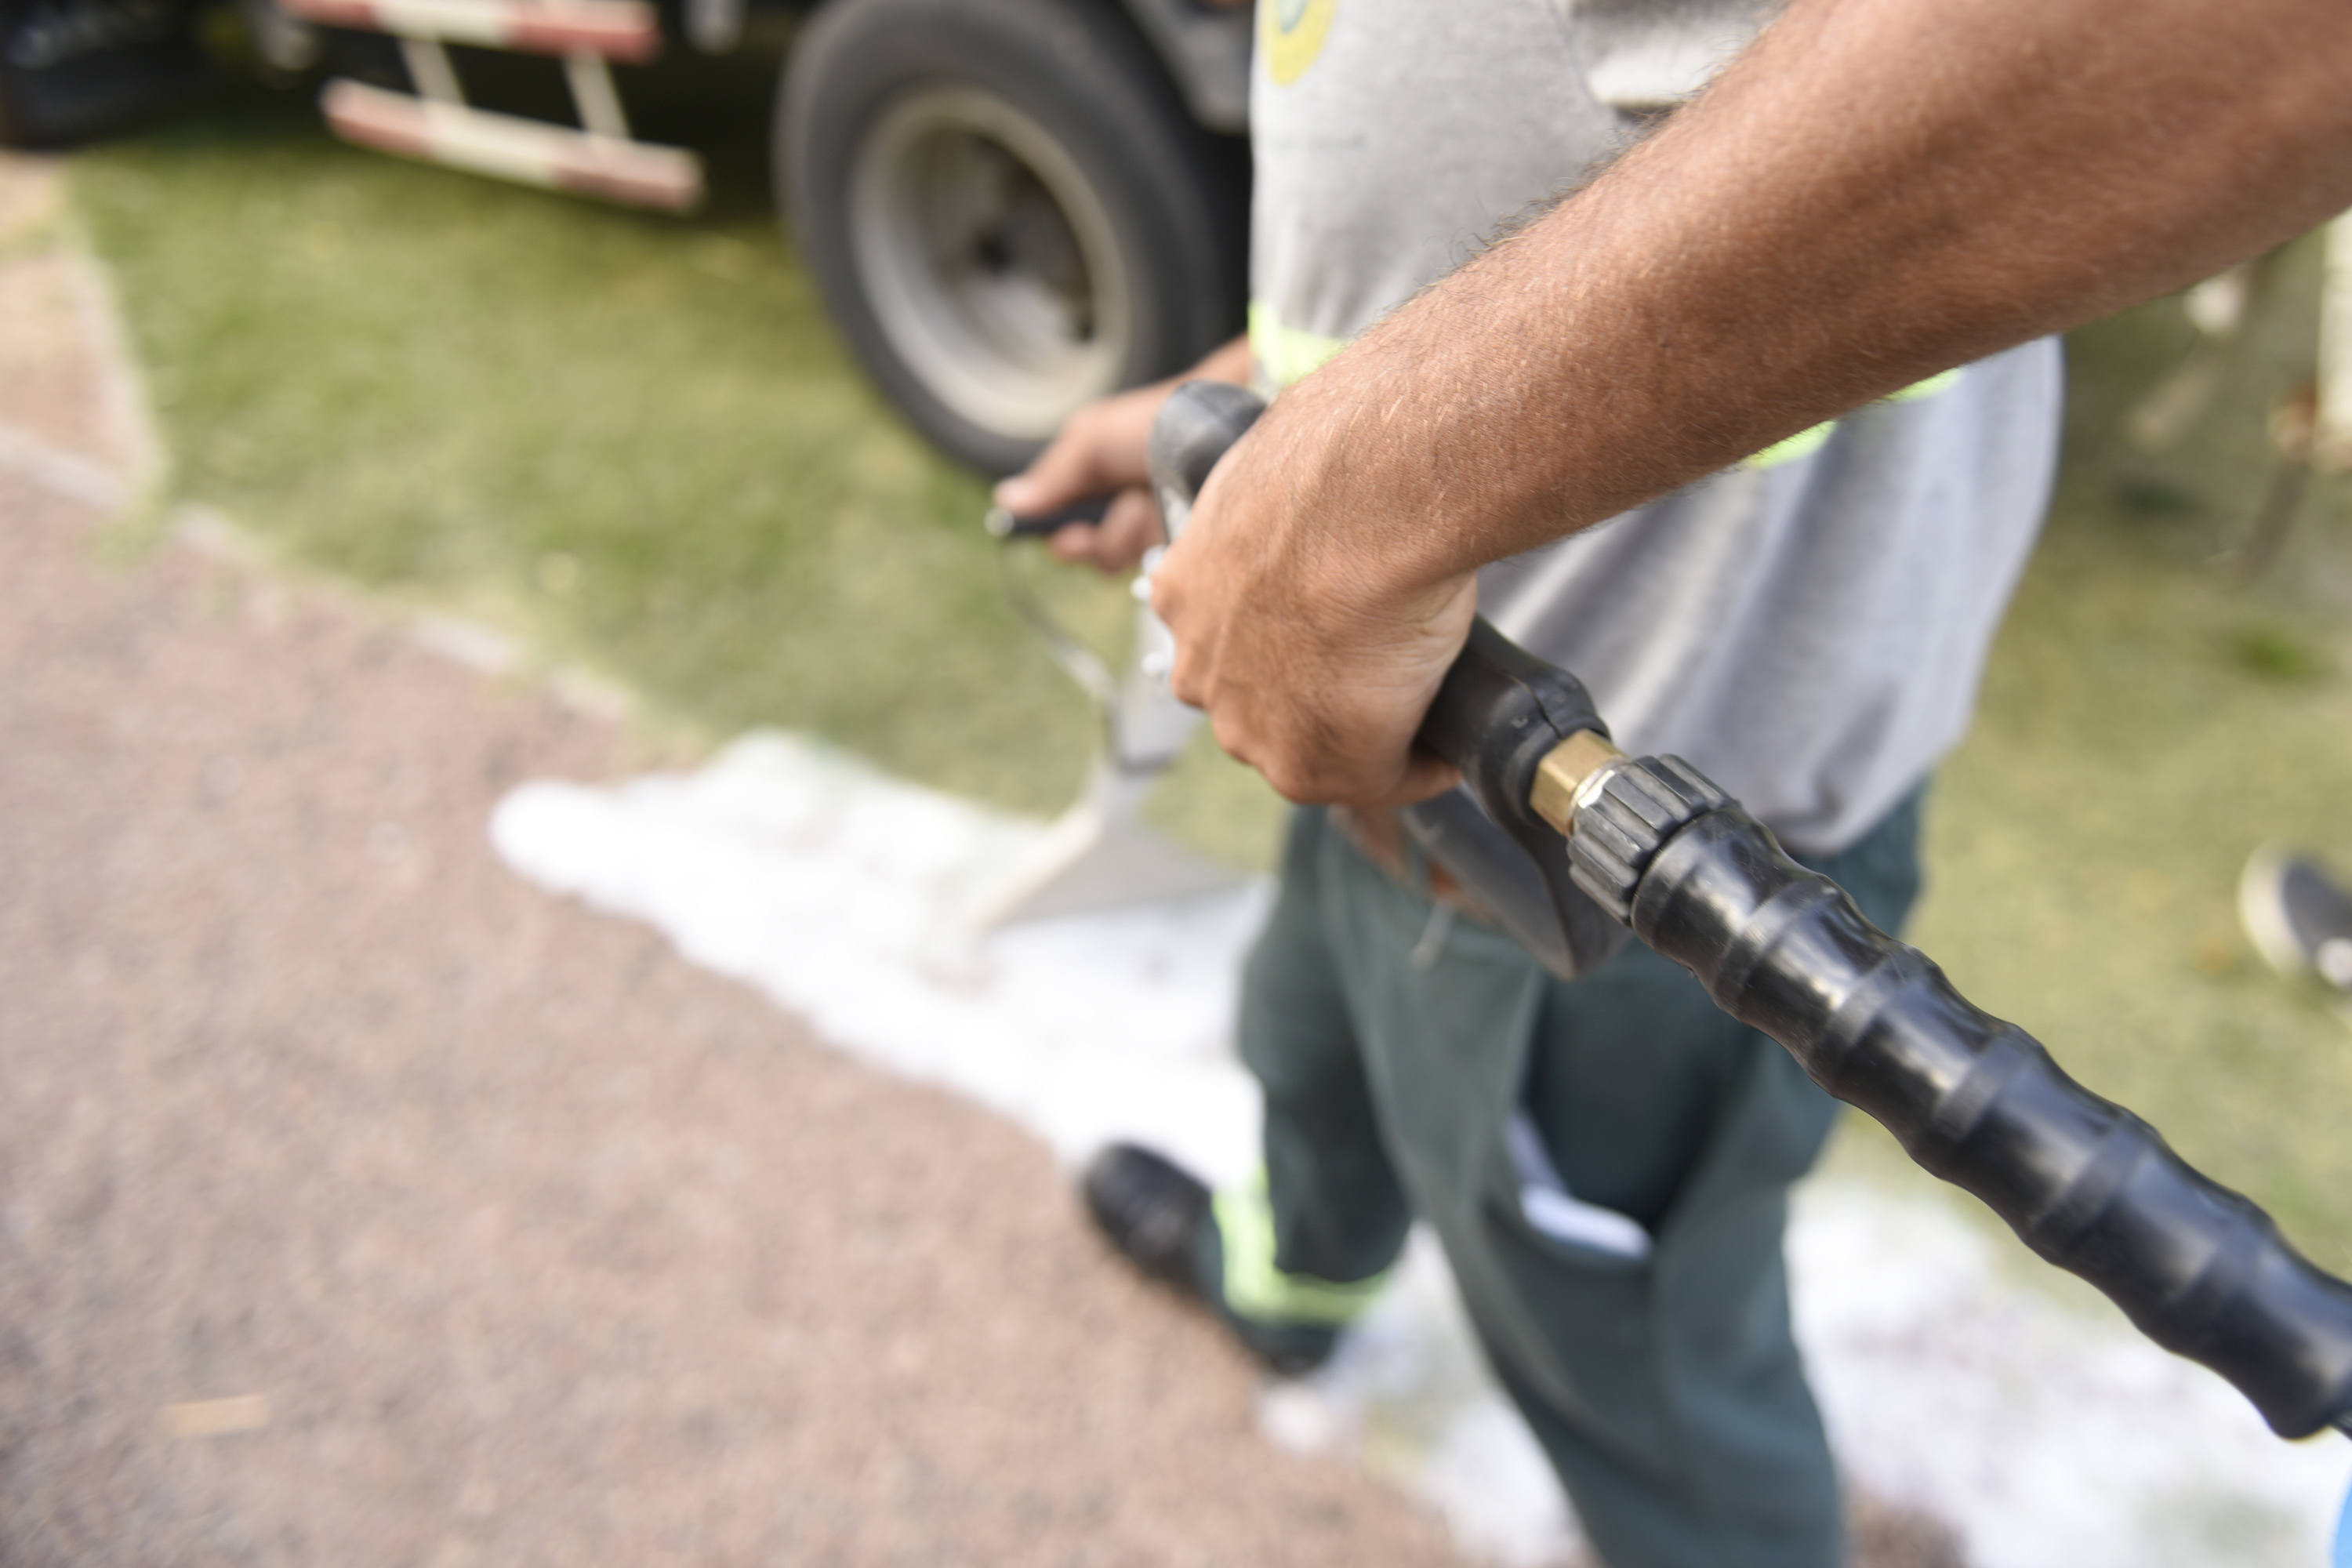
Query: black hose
pixel 2086 1184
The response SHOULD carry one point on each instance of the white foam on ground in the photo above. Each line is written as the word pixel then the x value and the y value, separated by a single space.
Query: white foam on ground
pixel 2055 1435
pixel 838 891
pixel 2051 1438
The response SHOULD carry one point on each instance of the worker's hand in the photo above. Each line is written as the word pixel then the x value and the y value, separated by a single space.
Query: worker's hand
pixel 1313 651
pixel 1100 450
pixel 1104 449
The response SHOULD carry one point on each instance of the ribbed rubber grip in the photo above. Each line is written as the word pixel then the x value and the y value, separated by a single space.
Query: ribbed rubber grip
pixel 1637 810
pixel 2085 1183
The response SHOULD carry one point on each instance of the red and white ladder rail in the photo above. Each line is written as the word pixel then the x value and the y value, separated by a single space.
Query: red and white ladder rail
pixel 436 123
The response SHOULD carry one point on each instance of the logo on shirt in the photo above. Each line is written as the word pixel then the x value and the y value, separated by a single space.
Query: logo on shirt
pixel 1291 34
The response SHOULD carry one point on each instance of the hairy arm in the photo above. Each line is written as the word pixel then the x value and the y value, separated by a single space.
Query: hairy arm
pixel 1875 191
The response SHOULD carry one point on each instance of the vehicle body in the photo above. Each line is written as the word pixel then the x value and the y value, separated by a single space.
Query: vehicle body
pixel 1011 206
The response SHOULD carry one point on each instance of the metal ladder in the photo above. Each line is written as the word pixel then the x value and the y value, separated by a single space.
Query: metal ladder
pixel 436 124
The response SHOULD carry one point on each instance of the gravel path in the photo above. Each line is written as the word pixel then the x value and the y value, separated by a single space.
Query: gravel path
pixel 360 1204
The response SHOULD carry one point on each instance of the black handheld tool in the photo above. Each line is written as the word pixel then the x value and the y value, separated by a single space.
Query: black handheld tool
pixel 1655 846
pixel 1003 524
pixel 1520 876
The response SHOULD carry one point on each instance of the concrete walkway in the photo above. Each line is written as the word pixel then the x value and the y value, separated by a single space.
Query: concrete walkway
pixel 360 1204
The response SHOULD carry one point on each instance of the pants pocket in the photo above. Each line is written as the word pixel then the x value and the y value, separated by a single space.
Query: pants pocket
pixel 1585 1232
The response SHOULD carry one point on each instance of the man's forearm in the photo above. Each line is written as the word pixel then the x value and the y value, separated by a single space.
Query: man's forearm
pixel 1876 190
pixel 1879 190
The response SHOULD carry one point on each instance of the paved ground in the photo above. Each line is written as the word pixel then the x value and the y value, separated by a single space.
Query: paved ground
pixel 362 1205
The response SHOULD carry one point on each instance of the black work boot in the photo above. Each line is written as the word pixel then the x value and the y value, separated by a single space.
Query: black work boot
pixel 1162 1218
pixel 1151 1210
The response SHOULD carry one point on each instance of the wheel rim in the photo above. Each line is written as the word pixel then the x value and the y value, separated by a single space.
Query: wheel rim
pixel 991 264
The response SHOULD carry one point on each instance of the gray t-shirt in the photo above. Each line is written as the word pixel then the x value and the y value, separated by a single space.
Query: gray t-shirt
pixel 1810 627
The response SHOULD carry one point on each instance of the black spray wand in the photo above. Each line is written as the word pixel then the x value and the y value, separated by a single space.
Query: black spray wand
pixel 1606 842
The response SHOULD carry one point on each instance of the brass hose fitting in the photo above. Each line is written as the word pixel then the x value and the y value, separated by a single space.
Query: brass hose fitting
pixel 1569 775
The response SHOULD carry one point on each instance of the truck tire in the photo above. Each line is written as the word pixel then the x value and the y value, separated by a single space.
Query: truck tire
pixel 73 70
pixel 1007 208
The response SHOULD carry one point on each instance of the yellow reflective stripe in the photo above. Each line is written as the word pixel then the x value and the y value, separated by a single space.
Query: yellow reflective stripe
pixel 1942 381
pixel 1285 354
pixel 1255 1288
pixel 1805 443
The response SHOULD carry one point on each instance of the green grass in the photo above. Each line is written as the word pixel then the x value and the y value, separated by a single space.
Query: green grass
pixel 635 440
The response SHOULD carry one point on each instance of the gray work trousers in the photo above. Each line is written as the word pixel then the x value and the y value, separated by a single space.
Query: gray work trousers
pixel 1667 1392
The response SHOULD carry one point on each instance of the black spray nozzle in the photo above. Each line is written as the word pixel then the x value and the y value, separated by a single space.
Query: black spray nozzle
pixel 1197 425
pixel 1498 714
pixel 1501 711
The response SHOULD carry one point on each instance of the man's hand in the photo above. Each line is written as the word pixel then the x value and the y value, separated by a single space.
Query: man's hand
pixel 1102 450
pixel 1314 663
